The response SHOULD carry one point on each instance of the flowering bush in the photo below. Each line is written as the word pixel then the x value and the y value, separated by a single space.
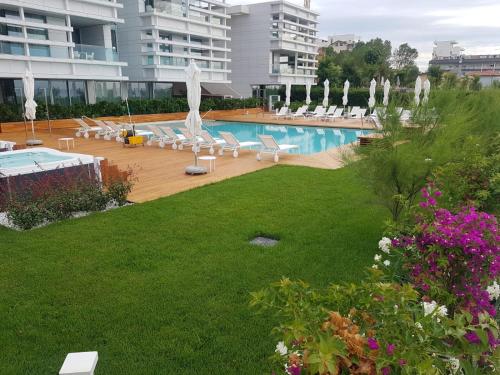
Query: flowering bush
pixel 453 258
pixel 370 328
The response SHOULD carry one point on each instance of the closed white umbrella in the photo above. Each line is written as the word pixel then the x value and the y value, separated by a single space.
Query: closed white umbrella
pixel 382 81
pixel 326 93
pixel 418 90
pixel 387 88
pixel 427 90
pixel 345 98
pixel 193 120
pixel 288 93
pixel 30 105
pixel 308 93
pixel 373 87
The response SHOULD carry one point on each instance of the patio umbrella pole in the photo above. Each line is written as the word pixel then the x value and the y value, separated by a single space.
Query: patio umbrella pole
pixel 47 110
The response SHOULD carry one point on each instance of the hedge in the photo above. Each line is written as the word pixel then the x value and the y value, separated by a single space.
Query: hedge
pixel 12 112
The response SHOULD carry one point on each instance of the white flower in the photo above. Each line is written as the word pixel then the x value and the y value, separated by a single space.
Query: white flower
pixel 433 308
pixel 454 364
pixel 384 245
pixel 378 258
pixel 281 348
pixel 387 263
pixel 442 311
pixel 429 307
pixel 419 325
pixel 375 267
pixel 494 291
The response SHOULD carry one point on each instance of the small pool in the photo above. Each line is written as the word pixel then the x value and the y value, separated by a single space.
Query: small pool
pixel 28 159
pixel 40 159
pixel 310 139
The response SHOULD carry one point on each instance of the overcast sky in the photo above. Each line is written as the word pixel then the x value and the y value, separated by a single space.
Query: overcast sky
pixel 475 24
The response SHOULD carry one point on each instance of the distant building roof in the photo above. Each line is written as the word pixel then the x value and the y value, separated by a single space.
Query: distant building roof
pixel 485 73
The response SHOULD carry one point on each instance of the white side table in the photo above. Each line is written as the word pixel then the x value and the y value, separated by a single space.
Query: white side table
pixel 211 162
pixel 83 363
pixel 60 141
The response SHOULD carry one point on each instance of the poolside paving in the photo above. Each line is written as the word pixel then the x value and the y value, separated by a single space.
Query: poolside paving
pixel 160 172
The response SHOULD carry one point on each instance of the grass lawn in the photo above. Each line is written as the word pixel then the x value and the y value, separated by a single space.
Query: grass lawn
pixel 163 287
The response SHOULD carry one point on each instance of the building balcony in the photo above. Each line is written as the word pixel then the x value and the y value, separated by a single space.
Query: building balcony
pixel 92 52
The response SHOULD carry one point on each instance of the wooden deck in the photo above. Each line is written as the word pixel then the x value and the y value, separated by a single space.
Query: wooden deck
pixel 160 172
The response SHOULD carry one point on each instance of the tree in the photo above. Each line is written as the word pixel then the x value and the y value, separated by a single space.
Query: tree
pixel 327 69
pixel 435 75
pixel 404 56
pixel 407 75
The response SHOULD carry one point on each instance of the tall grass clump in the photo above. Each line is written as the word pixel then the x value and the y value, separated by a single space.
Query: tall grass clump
pixel 453 141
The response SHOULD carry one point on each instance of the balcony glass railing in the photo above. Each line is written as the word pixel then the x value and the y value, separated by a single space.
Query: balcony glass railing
pixel 282 69
pixel 10 48
pixel 173 8
pixel 173 61
pixel 90 52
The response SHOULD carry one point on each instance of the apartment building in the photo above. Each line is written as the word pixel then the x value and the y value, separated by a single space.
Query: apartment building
pixel 342 42
pixel 69 45
pixel 450 58
pixel 160 37
pixel 271 44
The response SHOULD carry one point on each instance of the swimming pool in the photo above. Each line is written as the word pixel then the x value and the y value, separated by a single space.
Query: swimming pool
pixel 39 159
pixel 310 139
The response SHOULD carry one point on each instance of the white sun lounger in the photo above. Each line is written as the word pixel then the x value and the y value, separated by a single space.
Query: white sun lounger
pixel 320 113
pixel 330 112
pixel 301 112
pixel 178 140
pixel 283 112
pixel 337 114
pixel 232 144
pixel 210 142
pixel 270 146
pixel 106 131
pixel 85 129
pixel 159 137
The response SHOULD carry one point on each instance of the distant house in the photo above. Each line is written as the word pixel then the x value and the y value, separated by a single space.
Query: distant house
pixel 339 43
pixel 450 58
pixel 486 77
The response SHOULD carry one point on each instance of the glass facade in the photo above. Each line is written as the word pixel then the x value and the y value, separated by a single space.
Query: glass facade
pixel 107 91
pixel 60 92
pixel 162 90
pixel 139 90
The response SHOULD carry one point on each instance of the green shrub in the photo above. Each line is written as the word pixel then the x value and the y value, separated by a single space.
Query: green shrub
pixel 12 112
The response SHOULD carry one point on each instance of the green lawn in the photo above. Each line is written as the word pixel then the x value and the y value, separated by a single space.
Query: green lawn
pixel 163 287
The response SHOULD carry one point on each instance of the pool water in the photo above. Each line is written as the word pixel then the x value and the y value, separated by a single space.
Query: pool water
pixel 310 139
pixel 28 159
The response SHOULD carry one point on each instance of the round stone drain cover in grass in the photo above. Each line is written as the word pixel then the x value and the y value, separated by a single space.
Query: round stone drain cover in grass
pixel 264 241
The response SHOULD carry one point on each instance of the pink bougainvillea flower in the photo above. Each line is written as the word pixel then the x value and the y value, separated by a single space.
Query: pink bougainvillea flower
pixel 372 344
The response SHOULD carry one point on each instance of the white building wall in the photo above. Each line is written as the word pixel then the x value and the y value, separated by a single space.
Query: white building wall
pixel 253 46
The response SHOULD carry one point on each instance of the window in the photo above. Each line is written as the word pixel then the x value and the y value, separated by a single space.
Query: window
pixel 41 34
pixel 217 65
pixel 11 48
pixel 10 14
pixel 38 18
pixel 39 50
pixel 11 30
pixel 173 61
pixel 59 92
pixel 77 92
pixel 138 90
pixel 162 90
pixel 149 60
pixel 107 91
